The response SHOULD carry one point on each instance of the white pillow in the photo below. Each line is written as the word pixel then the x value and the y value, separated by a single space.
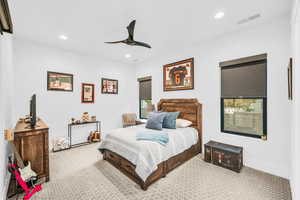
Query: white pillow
pixel 183 123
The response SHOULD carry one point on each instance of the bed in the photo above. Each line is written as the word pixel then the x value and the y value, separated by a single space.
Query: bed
pixel 142 165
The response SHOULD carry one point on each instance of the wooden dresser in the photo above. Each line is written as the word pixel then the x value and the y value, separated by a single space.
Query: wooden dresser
pixel 224 155
pixel 32 144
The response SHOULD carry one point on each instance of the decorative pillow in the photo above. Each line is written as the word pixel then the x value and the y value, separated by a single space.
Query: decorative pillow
pixel 170 120
pixel 155 120
pixel 183 123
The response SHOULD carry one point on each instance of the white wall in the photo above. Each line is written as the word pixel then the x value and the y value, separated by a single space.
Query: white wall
pixel 272 155
pixel 295 139
pixel 6 105
pixel 56 108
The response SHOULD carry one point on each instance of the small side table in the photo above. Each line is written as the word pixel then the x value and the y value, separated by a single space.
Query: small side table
pixel 98 128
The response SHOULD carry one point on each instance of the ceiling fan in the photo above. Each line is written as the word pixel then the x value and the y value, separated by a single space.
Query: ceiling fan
pixel 130 40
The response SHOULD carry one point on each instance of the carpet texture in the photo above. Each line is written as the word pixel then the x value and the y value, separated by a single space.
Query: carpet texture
pixel 81 174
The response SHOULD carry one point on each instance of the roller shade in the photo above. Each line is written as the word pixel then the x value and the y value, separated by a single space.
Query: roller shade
pixel 145 89
pixel 244 79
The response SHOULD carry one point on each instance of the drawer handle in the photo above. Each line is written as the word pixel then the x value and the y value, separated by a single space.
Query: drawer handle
pixel 112 156
pixel 128 166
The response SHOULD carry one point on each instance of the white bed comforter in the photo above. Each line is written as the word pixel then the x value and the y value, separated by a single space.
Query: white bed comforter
pixel 146 155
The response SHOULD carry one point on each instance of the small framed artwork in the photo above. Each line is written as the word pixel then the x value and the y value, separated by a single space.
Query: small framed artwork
pixel 109 86
pixel 290 79
pixel 179 75
pixel 59 81
pixel 87 93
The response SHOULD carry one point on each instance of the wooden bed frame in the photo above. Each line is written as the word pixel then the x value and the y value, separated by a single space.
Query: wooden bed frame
pixel 191 110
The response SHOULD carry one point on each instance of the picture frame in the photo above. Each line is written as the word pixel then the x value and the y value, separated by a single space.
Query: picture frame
pixel 290 79
pixel 109 86
pixel 59 81
pixel 87 93
pixel 179 75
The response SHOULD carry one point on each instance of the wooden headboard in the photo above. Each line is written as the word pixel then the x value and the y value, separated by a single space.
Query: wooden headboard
pixel 190 109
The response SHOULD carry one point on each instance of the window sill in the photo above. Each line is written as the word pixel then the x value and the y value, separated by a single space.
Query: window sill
pixel 262 137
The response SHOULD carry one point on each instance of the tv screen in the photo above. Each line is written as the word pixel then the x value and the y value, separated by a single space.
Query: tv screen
pixel 33 111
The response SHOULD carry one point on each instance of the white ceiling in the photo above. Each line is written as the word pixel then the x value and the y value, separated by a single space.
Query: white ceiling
pixel 165 24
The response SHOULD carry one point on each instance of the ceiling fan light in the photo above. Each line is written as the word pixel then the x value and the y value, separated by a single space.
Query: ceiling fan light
pixel 219 15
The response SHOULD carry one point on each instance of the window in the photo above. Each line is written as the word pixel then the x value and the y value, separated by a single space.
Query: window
pixel 244 96
pixel 145 96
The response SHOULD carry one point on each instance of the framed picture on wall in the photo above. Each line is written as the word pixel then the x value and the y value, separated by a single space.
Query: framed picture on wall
pixel 109 86
pixel 87 93
pixel 59 81
pixel 179 75
pixel 290 79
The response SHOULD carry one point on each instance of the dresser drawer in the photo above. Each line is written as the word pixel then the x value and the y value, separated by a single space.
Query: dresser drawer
pixel 129 167
pixel 174 162
pixel 112 157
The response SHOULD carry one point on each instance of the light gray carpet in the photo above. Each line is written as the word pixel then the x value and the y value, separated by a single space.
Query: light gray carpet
pixel 82 174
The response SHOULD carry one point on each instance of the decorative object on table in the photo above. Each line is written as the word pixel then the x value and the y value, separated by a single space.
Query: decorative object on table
pixel 224 155
pixel 60 143
pixel 88 93
pixel 73 120
pixel 59 81
pixel 179 75
pixel 130 41
pixel 22 119
pixel 94 136
pixel 70 128
pixel 109 86
pixel 77 122
pixel 129 119
pixel 290 79
pixel 93 118
pixel 85 117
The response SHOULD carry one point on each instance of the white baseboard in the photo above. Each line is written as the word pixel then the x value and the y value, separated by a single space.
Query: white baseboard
pixel 5 187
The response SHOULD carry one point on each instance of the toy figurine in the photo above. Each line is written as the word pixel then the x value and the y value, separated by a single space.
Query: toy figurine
pixel 93 118
pixel 85 117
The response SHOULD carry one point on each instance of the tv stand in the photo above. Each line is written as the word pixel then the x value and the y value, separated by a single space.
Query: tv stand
pixel 33 145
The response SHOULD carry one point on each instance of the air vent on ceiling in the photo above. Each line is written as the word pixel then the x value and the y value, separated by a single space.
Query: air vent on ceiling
pixel 248 19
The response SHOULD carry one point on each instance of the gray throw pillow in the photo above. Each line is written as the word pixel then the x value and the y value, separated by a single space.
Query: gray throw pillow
pixel 155 120
pixel 170 120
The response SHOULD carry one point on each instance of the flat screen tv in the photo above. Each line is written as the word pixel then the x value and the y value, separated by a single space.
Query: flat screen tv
pixel 33 111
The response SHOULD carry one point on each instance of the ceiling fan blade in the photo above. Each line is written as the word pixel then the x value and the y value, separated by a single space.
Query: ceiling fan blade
pixel 116 42
pixel 142 44
pixel 130 29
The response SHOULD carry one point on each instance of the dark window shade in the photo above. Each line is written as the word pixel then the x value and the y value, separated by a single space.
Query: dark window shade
pixel 244 80
pixel 145 89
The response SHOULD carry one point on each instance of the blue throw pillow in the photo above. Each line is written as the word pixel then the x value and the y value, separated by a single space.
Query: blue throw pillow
pixel 170 120
pixel 155 120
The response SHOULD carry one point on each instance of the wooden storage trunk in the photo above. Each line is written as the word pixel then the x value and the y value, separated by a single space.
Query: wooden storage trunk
pixel 224 155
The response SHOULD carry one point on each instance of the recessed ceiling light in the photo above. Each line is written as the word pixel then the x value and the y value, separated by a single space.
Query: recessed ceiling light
pixel 63 37
pixel 219 15
pixel 127 55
